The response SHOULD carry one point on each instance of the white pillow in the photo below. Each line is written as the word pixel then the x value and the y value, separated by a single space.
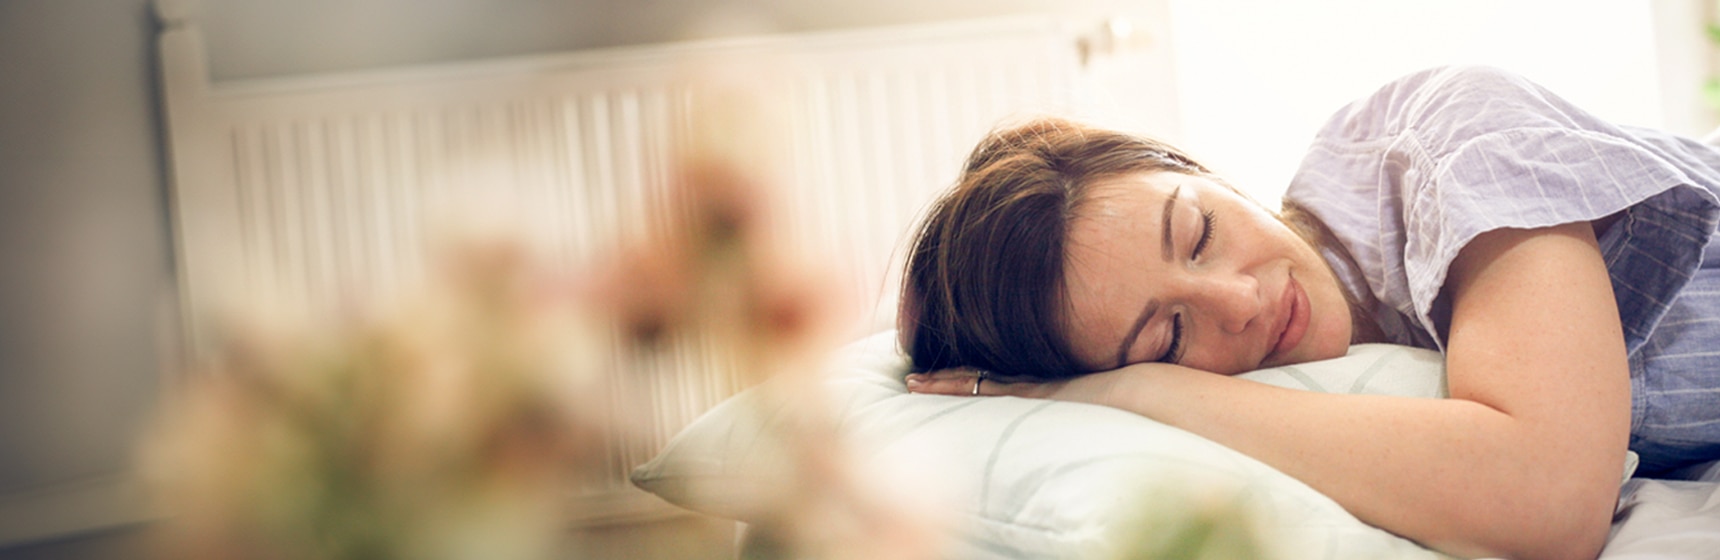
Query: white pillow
pixel 1036 478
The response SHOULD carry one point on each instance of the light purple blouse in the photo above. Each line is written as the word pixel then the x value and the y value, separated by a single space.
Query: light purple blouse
pixel 1410 174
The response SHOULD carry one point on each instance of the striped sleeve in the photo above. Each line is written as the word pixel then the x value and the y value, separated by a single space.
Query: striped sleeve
pixel 1409 176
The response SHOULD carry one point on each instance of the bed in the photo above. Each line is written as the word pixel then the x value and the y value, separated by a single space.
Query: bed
pixel 1034 479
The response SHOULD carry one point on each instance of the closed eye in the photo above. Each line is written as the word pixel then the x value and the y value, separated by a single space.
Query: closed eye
pixel 1174 353
pixel 1207 219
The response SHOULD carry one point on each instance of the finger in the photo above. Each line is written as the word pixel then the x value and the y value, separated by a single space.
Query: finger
pixel 942 384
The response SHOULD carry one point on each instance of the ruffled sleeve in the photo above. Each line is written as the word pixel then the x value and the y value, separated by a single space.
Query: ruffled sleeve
pixel 1410 175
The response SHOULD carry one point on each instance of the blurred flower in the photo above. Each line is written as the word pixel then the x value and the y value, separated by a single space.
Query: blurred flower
pixel 717 274
pixel 1178 523
pixel 444 427
pixel 450 424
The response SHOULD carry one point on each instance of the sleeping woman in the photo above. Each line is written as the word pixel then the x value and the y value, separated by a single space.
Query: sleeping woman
pixel 1555 259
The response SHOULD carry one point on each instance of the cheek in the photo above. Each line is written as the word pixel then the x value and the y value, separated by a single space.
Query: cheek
pixel 1333 331
pixel 1218 359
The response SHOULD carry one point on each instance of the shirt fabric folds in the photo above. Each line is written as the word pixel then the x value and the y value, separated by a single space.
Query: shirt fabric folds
pixel 1407 176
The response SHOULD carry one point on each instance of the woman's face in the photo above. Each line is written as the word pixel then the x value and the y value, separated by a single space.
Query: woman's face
pixel 1167 267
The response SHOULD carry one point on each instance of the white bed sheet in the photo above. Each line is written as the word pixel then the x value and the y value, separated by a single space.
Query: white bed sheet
pixel 1668 518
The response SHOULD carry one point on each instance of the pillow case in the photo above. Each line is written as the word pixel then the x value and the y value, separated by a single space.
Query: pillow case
pixel 1042 479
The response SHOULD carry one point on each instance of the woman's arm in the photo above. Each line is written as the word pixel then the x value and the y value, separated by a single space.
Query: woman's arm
pixel 1522 462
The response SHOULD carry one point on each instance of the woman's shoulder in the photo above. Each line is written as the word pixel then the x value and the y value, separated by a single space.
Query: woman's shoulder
pixel 1448 105
pixel 1466 79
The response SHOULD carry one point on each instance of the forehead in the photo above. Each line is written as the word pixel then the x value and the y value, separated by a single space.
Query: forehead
pixel 1121 205
pixel 1111 254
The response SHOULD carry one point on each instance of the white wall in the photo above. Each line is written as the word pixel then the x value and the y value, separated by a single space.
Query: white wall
pixel 83 238
pixel 84 267
pixel 251 38
pixel 1258 77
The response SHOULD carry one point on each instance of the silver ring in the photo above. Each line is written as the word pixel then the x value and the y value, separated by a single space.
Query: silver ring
pixel 977 380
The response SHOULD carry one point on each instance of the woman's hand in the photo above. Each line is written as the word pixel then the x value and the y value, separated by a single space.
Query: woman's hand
pixel 971 382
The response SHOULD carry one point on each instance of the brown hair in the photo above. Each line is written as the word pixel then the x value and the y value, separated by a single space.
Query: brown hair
pixel 984 281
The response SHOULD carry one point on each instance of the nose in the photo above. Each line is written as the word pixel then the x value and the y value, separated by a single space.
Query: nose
pixel 1233 301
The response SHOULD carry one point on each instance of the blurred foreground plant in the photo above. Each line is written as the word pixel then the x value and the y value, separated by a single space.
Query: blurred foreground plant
pixel 719 274
pixel 446 426
pixel 1182 523
pixel 1711 86
pixel 451 425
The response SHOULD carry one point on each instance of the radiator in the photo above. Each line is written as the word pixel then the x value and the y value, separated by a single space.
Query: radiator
pixel 319 191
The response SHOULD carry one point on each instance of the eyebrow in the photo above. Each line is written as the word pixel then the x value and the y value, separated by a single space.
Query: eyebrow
pixel 1165 237
pixel 1147 313
pixel 1152 306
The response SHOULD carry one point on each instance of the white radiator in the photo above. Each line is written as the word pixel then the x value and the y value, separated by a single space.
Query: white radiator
pixel 317 191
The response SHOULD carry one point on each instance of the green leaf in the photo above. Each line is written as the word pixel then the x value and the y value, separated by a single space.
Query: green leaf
pixel 1714 33
pixel 1711 93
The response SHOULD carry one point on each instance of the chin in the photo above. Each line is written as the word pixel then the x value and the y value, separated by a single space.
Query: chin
pixel 1322 344
pixel 1335 344
pixel 1335 351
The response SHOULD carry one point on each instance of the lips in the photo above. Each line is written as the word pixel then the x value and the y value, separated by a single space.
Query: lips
pixel 1294 302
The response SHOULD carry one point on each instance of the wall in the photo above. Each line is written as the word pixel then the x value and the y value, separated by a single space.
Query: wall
pixel 84 240
pixel 1258 77
pixel 250 38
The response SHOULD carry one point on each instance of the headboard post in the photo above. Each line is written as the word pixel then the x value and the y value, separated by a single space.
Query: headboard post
pixel 203 203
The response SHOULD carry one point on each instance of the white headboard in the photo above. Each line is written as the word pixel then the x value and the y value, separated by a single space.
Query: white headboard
pixel 317 191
